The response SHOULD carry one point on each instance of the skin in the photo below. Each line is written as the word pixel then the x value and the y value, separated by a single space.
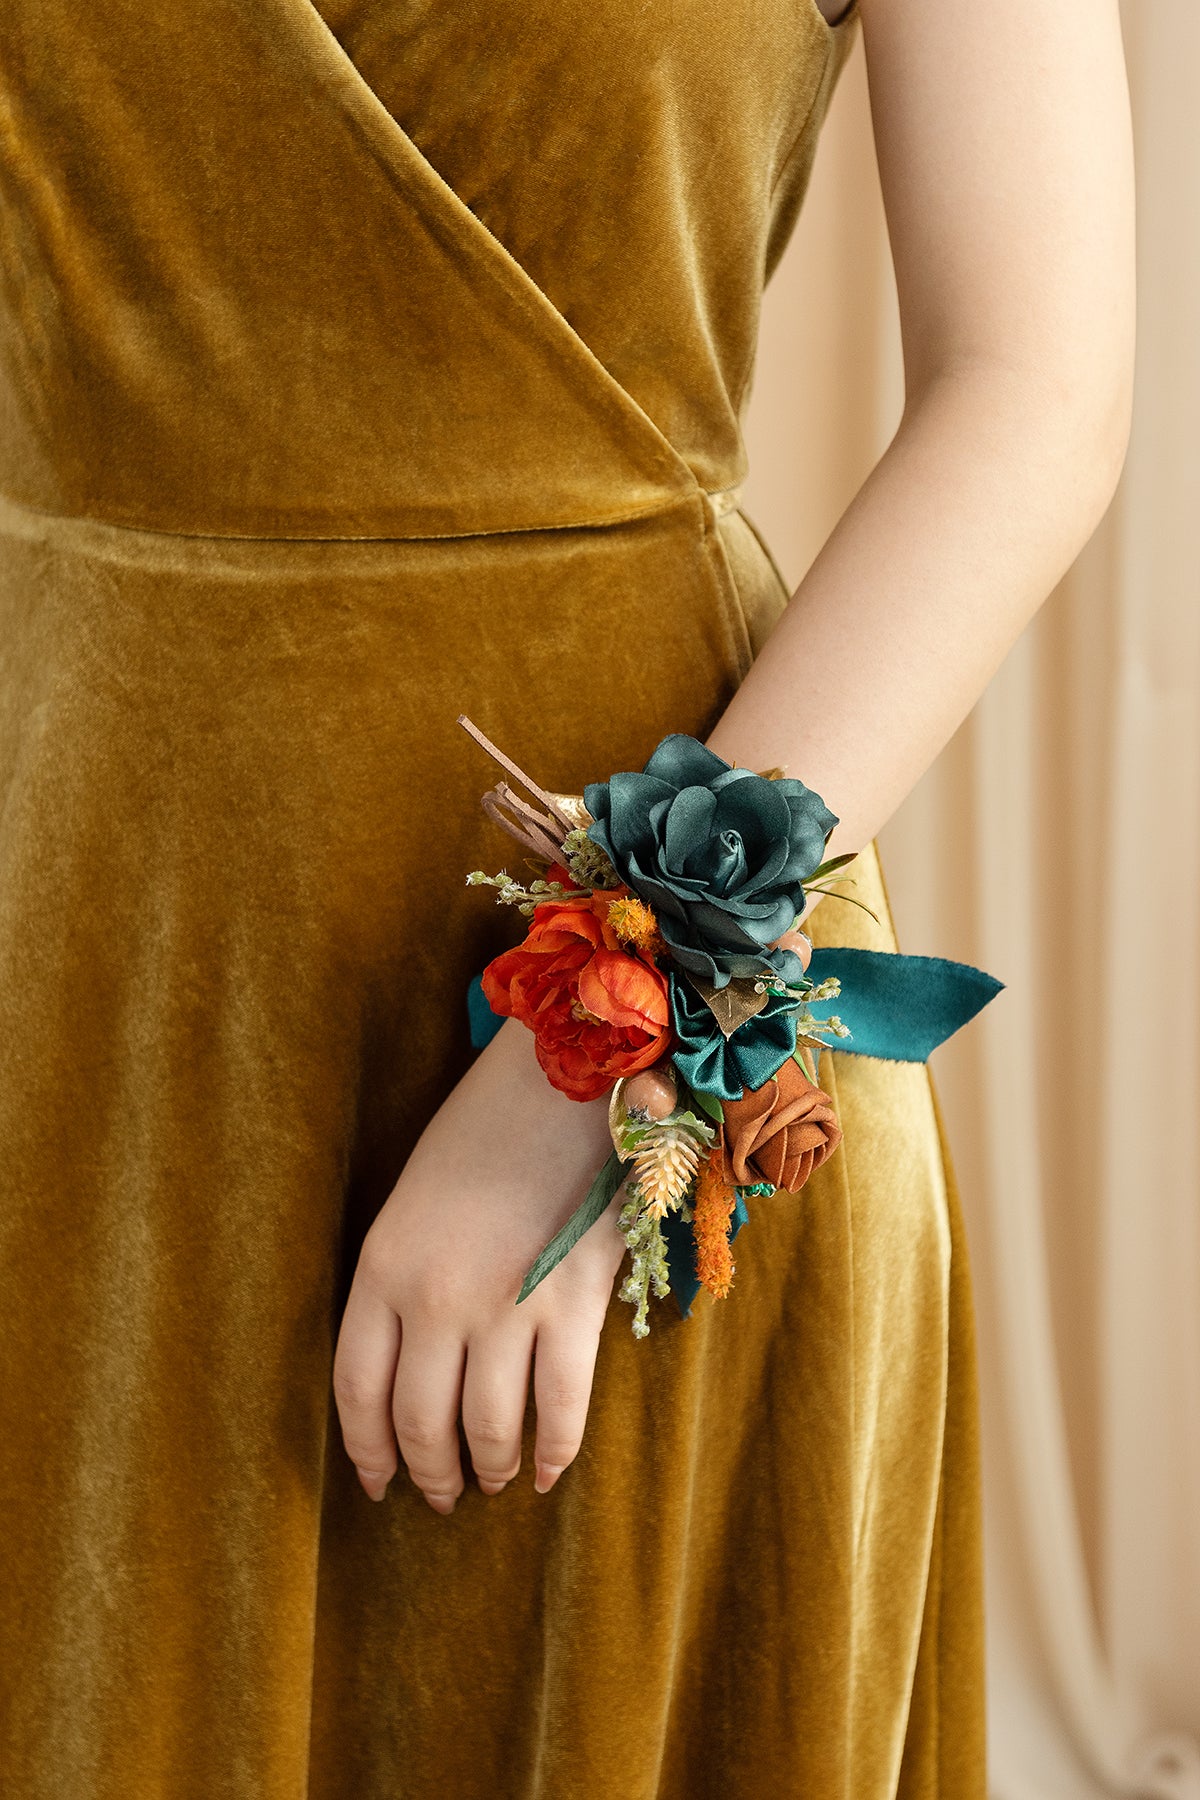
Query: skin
pixel 1003 142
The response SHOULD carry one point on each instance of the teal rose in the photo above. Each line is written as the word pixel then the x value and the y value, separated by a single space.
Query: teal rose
pixel 721 854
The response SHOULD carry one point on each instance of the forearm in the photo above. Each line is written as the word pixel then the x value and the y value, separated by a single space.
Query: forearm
pixel 983 499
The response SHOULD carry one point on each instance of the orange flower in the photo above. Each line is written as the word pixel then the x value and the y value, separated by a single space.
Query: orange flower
pixel 596 1011
pixel 779 1132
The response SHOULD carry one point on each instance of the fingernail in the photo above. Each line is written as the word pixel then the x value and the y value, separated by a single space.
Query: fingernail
pixel 545 1478
pixel 491 1487
pixel 375 1486
pixel 443 1503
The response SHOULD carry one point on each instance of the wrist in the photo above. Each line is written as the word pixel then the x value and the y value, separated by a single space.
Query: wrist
pixel 526 1085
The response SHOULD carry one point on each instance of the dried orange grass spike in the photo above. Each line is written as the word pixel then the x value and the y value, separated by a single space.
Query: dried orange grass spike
pixel 712 1204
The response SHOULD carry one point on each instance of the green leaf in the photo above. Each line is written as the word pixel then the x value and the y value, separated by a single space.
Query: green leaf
pixel 835 862
pixel 833 895
pixel 703 1103
pixel 698 1128
pixel 708 1103
pixel 632 1136
pixel 585 1215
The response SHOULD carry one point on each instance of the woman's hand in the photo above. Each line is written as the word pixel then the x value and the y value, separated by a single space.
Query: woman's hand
pixel 431 1325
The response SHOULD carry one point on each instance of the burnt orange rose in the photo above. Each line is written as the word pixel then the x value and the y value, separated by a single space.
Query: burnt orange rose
pixel 596 1011
pixel 779 1132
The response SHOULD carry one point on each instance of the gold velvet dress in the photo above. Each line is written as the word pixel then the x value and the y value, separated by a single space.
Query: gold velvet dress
pixel 358 367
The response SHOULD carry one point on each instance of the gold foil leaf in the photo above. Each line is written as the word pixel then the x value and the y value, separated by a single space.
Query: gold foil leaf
pixel 733 1004
pixel 618 1116
pixel 571 807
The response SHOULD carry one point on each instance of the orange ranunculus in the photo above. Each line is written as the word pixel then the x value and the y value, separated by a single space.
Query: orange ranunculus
pixel 596 1011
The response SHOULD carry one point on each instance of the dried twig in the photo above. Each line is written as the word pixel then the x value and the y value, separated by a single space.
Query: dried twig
pixel 559 817
pixel 534 830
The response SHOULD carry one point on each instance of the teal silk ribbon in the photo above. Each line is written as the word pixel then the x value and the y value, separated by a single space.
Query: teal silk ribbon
pixel 897 1008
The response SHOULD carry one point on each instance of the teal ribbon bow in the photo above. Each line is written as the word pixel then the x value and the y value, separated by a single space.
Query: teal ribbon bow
pixel 897 1008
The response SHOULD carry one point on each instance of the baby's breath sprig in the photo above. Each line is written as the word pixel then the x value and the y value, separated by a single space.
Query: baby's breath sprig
pixel 509 891
pixel 804 995
pixel 807 1026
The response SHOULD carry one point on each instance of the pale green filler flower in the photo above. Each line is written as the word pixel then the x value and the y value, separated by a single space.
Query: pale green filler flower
pixel 647 1246
pixel 640 1220
pixel 509 891
pixel 587 862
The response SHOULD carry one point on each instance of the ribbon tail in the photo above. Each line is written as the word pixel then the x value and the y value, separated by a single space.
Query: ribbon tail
pixel 482 1022
pixel 681 1254
pixel 899 1007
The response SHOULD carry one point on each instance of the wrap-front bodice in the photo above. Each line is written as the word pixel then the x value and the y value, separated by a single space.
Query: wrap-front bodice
pixel 403 270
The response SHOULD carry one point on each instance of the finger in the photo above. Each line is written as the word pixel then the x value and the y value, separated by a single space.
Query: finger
pixel 425 1413
pixel 563 1366
pixel 495 1390
pixel 364 1369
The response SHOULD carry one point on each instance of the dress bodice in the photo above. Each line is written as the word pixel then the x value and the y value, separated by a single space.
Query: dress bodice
pixel 401 269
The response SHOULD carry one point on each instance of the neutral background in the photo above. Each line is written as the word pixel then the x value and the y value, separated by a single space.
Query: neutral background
pixel 1056 842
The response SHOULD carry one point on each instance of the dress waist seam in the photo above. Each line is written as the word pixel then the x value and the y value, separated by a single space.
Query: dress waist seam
pixel 16 514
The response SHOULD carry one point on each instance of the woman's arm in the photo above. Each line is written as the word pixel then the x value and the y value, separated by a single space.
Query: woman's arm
pixel 1004 147
pixel 1004 151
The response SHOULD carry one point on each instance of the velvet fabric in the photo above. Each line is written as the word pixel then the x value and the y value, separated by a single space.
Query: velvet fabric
pixel 356 372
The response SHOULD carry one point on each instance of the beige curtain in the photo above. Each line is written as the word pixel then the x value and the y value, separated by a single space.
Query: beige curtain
pixel 1056 842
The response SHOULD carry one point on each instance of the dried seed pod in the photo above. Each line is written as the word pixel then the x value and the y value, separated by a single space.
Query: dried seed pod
pixel 652 1094
pixel 796 940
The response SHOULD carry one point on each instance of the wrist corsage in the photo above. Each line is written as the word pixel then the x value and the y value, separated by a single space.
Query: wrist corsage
pixel 661 968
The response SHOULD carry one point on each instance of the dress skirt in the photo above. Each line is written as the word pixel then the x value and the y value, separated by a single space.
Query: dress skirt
pixel 236 942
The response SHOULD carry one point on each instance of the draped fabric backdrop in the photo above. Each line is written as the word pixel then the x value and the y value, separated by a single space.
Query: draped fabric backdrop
pixel 1056 842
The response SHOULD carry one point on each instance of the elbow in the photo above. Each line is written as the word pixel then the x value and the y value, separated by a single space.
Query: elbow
pixel 1087 398
pixel 1078 446
pixel 1102 434
pixel 1067 429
